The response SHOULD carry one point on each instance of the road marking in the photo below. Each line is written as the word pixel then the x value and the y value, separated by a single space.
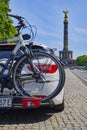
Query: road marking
pixel 80 76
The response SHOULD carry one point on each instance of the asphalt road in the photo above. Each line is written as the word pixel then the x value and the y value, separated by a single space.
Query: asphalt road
pixel 82 74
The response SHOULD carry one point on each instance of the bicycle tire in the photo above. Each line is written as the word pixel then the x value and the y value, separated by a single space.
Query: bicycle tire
pixel 48 85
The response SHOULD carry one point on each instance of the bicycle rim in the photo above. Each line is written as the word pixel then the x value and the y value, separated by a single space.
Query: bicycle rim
pixel 47 85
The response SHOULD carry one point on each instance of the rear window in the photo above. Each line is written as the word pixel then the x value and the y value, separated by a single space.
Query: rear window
pixel 6 50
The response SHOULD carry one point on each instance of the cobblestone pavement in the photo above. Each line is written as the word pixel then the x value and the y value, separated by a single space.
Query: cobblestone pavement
pixel 74 116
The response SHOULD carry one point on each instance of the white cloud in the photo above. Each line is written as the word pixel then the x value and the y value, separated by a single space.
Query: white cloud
pixel 78 35
pixel 82 31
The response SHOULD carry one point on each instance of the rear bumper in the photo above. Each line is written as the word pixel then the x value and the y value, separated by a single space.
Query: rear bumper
pixel 56 100
pixel 59 98
pixel 22 102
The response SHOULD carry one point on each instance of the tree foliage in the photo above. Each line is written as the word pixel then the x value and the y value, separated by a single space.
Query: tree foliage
pixel 7 30
pixel 82 60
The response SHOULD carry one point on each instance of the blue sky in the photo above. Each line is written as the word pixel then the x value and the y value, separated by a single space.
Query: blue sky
pixel 47 16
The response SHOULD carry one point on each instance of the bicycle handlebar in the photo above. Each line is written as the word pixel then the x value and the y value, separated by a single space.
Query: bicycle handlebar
pixel 23 24
pixel 15 16
pixel 19 18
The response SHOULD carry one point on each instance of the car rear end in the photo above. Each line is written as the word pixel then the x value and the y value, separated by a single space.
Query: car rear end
pixel 23 102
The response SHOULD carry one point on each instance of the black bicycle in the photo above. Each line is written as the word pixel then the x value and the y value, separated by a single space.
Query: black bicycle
pixel 34 73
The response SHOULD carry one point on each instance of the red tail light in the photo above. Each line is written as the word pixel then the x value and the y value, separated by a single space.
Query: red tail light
pixel 46 68
pixel 30 102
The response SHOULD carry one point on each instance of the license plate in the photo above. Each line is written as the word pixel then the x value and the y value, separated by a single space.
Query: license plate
pixel 5 102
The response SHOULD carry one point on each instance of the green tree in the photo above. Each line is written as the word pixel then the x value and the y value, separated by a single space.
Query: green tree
pixel 82 60
pixel 7 30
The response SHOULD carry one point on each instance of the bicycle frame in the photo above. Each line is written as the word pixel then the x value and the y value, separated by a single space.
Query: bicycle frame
pixel 22 22
pixel 10 61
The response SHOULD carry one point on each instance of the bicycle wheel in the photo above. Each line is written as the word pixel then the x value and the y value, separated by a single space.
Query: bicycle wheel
pixel 48 80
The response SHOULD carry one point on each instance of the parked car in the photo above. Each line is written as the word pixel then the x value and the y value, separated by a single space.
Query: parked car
pixel 5 51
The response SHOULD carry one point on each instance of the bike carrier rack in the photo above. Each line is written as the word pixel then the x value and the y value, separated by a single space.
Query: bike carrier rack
pixel 12 102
